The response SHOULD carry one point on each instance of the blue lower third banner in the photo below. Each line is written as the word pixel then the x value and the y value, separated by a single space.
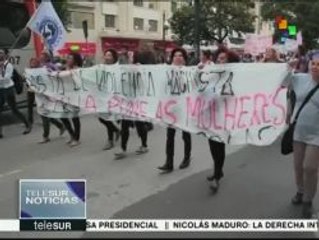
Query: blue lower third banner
pixel 52 205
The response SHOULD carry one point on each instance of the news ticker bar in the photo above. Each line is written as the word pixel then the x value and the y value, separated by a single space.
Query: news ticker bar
pixel 155 225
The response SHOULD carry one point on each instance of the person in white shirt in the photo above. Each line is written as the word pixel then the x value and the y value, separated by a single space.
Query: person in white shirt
pixel 7 92
pixel 306 135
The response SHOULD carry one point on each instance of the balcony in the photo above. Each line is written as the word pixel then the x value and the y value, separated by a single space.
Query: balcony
pixel 85 4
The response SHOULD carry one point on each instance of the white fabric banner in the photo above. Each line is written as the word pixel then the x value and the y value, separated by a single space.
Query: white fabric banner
pixel 234 103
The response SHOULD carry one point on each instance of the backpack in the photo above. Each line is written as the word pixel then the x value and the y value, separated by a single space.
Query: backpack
pixel 17 80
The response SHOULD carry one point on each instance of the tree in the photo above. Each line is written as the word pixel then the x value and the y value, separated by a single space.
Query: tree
pixel 61 8
pixel 304 14
pixel 217 20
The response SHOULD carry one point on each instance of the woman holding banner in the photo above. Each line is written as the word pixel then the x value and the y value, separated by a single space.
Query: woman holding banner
pixel 74 60
pixel 271 56
pixel 35 63
pixel 110 57
pixel 145 55
pixel 217 149
pixel 178 58
pixel 306 134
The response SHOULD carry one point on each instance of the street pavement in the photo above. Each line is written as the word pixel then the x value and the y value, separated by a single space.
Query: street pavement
pixel 258 181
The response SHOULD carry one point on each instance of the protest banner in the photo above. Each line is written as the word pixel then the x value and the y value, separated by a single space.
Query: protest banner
pixel 232 103
pixel 257 44
pixel 291 45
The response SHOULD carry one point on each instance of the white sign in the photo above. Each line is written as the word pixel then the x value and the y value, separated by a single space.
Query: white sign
pixel 256 44
pixel 232 103
pixel 291 45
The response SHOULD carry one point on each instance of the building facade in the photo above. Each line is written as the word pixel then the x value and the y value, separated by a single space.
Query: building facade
pixel 118 25
pixel 123 24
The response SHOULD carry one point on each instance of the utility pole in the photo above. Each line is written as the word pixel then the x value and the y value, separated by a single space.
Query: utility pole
pixel 164 27
pixel 197 30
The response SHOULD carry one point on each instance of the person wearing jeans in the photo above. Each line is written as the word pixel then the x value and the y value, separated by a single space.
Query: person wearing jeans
pixel 7 93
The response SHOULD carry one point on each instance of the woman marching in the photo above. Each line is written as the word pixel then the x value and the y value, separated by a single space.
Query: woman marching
pixel 35 63
pixel 217 149
pixel 145 56
pixel 179 59
pixel 110 57
pixel 74 61
pixel 306 134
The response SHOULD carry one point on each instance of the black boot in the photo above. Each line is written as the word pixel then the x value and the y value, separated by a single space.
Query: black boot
pixel 297 199
pixel 185 163
pixel 168 166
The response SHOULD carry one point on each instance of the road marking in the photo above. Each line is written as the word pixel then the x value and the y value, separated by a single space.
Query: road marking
pixel 11 172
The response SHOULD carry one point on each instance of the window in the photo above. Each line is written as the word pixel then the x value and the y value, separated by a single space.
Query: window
pixel 110 21
pixel 13 18
pixel 153 25
pixel 151 5
pixel 138 23
pixel 138 3
pixel 78 17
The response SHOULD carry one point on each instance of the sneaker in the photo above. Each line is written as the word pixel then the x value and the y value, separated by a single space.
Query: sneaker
pixel 108 146
pixel 74 143
pixel 307 210
pixel 120 155
pixel 141 150
pixel 297 199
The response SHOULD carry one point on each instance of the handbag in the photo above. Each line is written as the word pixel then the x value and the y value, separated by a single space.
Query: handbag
pixel 287 139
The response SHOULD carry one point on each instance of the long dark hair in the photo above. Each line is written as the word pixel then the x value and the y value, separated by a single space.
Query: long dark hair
pixel 77 59
pixel 232 57
pixel 114 54
pixel 181 50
